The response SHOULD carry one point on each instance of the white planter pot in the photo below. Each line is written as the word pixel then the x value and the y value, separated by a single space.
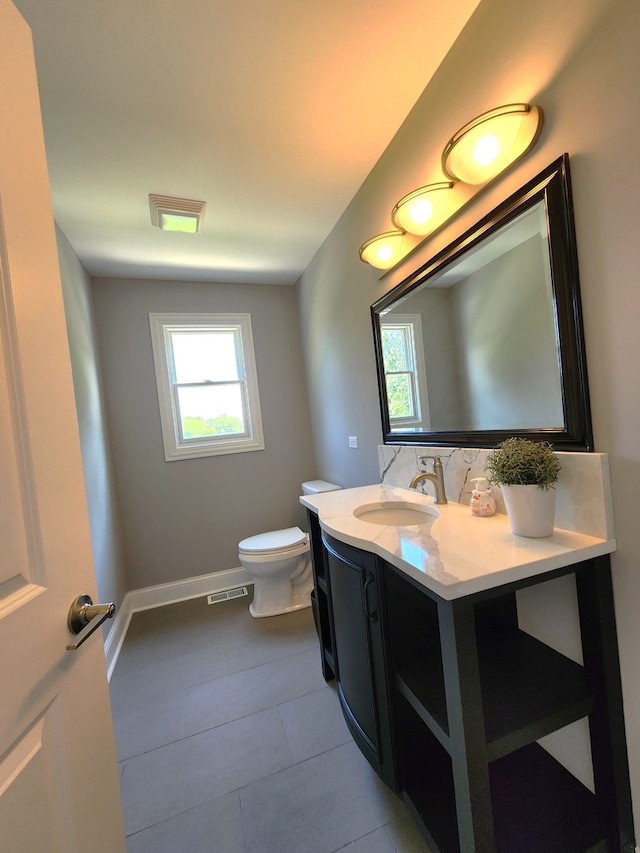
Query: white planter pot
pixel 531 510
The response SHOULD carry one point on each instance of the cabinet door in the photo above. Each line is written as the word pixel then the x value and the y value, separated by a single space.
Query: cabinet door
pixel 352 586
pixel 360 652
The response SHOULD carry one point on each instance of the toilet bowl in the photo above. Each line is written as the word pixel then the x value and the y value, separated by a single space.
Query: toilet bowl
pixel 279 563
pixel 281 571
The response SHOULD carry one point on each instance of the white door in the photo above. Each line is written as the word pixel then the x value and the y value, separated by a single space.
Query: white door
pixel 58 773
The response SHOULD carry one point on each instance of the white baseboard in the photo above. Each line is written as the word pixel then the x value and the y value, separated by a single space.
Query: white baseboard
pixel 165 593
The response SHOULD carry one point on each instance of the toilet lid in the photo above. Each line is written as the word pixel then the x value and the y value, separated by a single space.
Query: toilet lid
pixel 275 540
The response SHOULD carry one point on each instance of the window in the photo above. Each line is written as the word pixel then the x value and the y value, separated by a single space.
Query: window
pixel 207 384
pixel 404 369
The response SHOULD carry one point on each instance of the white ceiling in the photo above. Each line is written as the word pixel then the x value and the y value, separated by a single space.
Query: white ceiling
pixel 271 111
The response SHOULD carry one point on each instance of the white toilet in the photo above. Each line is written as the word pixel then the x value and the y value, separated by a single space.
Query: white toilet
pixel 280 565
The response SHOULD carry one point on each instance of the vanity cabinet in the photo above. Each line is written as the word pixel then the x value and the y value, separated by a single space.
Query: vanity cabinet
pixel 447 698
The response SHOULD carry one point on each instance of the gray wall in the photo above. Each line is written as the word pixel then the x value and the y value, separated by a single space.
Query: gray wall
pixel 185 518
pixel 505 330
pixel 94 440
pixel 579 60
pixel 442 374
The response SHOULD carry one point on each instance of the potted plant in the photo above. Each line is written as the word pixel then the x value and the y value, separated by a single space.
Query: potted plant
pixel 526 472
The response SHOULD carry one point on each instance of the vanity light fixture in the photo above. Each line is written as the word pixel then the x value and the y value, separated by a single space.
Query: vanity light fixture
pixel 475 154
pixel 490 142
pixel 383 250
pixel 176 214
pixel 421 211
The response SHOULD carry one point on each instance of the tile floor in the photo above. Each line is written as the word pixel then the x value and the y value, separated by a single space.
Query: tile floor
pixel 230 741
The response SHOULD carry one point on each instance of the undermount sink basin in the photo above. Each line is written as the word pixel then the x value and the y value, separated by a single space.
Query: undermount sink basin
pixel 395 513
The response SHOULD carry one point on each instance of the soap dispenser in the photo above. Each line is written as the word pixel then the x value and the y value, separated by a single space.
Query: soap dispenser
pixel 482 501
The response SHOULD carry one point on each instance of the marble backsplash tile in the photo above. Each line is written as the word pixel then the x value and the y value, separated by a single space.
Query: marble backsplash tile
pixel 583 502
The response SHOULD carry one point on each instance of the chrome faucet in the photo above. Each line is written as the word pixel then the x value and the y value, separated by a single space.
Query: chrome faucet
pixel 436 476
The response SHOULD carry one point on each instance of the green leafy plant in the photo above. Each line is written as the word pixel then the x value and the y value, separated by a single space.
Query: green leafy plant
pixel 521 462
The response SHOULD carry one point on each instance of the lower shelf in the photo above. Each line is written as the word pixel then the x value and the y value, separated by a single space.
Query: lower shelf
pixel 538 806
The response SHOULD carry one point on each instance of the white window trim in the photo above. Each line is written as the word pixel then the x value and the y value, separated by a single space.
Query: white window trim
pixel 419 372
pixel 174 446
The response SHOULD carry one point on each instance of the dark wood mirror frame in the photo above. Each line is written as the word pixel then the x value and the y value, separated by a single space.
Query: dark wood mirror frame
pixel 553 187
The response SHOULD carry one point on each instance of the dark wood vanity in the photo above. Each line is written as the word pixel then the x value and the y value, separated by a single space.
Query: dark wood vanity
pixel 447 698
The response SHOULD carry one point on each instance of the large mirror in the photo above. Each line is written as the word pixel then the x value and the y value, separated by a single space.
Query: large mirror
pixel 485 340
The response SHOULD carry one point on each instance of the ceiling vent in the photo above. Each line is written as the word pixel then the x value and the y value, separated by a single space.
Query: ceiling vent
pixel 176 214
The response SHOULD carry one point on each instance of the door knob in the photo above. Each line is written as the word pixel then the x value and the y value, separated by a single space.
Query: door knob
pixel 85 617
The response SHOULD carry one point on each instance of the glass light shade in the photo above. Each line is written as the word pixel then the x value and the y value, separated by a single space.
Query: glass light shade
pixel 490 142
pixel 383 250
pixel 422 210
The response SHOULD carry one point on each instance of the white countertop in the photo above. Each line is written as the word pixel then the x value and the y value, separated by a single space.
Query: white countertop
pixel 456 553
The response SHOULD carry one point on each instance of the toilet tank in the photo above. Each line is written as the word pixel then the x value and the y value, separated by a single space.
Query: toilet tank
pixel 314 487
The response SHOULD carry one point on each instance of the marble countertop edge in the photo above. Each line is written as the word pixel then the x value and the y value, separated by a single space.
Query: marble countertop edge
pixel 454 554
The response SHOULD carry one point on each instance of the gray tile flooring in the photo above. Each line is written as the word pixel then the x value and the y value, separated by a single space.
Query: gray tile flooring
pixel 230 741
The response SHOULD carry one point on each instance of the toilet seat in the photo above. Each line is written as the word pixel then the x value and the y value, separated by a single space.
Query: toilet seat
pixel 280 541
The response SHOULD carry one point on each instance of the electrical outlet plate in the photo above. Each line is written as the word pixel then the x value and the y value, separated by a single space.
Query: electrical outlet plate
pixel 353 441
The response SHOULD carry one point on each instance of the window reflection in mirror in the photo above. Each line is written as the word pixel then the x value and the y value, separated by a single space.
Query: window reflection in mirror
pixel 405 371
